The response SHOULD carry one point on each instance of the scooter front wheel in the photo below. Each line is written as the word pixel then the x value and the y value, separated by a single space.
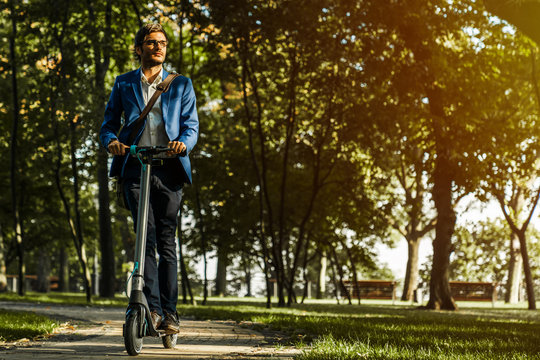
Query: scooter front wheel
pixel 169 341
pixel 132 339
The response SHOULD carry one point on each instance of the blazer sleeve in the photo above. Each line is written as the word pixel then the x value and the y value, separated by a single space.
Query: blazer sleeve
pixel 189 120
pixel 113 116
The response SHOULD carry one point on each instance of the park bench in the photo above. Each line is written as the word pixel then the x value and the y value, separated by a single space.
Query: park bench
pixel 371 289
pixel 31 282
pixel 474 291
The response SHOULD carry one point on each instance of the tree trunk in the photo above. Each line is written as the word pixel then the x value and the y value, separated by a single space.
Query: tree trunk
pixel 411 274
pixel 321 283
pixel 186 286
pixel 307 282
pixel 63 271
pixel 515 267
pixel 3 277
pixel 341 276
pixel 334 281
pixel 200 222
pixel 529 284
pixel 221 272
pixel 520 233
pixel 181 265
pixel 439 287
pixel 185 281
pixel 354 287
pixel 102 48
pixel 516 203
pixel 266 267
pixel 247 271
pixel 289 133
pixel 108 280
pixel 96 283
pixel 43 275
pixel 355 278
pixel 205 289
pixel 17 228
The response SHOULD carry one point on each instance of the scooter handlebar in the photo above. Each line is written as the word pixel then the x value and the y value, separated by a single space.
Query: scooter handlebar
pixel 134 150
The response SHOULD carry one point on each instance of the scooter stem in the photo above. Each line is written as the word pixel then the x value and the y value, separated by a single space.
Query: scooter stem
pixel 142 223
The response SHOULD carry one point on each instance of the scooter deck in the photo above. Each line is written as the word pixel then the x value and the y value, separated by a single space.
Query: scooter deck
pixel 164 332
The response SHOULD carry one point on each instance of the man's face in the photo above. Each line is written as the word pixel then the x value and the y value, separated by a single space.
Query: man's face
pixel 153 50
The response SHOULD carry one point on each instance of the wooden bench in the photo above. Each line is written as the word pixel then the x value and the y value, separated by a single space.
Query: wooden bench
pixel 474 291
pixel 371 289
pixel 31 282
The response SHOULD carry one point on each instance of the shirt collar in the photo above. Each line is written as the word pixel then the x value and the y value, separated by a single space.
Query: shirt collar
pixel 144 80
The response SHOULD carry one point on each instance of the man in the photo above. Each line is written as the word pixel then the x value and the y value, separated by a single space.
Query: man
pixel 172 122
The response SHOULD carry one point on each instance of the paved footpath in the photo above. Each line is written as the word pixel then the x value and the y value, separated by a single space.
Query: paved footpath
pixel 96 333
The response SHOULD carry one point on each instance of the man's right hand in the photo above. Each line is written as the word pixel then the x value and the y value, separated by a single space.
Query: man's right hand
pixel 117 148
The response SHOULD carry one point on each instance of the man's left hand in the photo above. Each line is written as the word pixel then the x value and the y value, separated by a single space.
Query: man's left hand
pixel 177 146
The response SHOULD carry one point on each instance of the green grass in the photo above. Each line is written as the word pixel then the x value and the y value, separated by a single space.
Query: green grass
pixel 379 330
pixel 16 325
pixel 374 330
pixel 64 298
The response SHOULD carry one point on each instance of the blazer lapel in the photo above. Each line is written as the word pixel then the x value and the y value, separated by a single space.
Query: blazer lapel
pixel 137 89
pixel 164 99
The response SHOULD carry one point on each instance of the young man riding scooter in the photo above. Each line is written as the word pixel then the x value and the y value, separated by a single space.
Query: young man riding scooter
pixel 171 121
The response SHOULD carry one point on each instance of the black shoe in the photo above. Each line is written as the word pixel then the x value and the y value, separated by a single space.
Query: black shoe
pixel 156 319
pixel 170 324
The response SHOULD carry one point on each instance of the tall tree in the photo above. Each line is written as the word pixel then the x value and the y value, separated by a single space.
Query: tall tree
pixel 412 217
pixel 102 50
pixel 520 231
pixel 17 228
pixel 439 54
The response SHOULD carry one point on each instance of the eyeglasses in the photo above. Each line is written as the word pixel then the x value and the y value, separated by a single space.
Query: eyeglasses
pixel 154 43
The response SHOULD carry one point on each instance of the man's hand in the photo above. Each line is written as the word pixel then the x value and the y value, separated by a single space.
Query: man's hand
pixel 177 146
pixel 117 148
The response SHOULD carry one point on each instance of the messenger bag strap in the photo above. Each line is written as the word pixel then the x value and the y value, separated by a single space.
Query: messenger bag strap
pixel 162 87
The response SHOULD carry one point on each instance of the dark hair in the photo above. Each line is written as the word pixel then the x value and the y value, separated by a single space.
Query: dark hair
pixel 145 30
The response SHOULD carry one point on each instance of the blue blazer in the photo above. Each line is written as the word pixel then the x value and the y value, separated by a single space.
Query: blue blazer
pixel 178 106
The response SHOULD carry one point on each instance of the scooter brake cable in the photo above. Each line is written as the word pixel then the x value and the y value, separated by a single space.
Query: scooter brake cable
pixel 131 275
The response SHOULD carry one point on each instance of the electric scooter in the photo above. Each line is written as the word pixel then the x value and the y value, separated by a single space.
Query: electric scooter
pixel 138 320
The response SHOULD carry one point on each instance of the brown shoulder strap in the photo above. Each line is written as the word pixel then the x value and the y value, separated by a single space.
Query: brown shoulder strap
pixel 161 88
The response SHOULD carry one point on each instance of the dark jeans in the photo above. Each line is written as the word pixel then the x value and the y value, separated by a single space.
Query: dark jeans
pixel 160 280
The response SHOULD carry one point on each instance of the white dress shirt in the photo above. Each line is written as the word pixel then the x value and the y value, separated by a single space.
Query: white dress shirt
pixel 154 133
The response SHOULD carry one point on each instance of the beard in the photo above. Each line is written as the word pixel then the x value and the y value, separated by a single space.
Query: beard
pixel 151 62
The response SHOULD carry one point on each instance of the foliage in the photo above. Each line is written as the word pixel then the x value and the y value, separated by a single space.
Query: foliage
pixel 481 252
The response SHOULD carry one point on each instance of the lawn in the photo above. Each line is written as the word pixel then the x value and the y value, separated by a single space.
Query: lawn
pixel 15 325
pixel 375 329
pixel 379 330
pixel 63 298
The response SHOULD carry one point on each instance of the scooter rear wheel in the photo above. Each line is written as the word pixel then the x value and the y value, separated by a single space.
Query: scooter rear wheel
pixel 132 339
pixel 169 341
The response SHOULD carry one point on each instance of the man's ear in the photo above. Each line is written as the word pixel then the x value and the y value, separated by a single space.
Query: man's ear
pixel 138 50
